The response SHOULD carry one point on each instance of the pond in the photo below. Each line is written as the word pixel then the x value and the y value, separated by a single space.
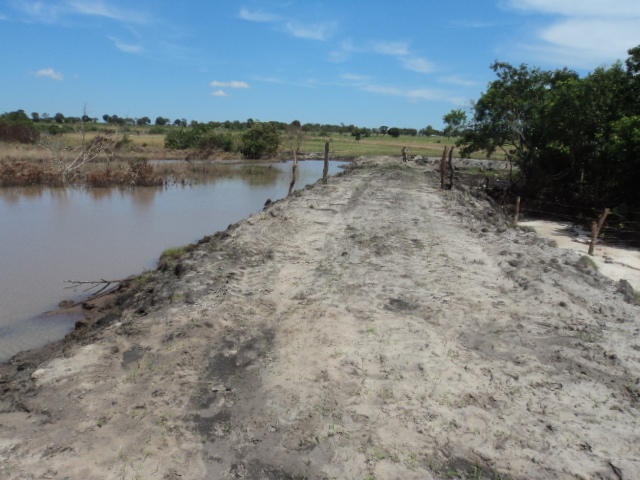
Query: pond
pixel 51 235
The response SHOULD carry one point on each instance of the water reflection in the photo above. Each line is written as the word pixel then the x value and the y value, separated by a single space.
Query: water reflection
pixel 50 235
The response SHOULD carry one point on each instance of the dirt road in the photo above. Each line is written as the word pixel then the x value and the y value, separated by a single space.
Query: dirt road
pixel 372 328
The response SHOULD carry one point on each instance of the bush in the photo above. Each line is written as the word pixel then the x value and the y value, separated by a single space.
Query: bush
pixel 261 139
pixel 157 130
pixel 18 127
pixel 201 136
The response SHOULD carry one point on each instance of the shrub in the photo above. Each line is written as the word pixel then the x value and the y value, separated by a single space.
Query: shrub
pixel 261 139
pixel 18 127
pixel 201 137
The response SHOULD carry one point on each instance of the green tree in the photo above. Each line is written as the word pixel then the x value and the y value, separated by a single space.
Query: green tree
pixel 162 121
pixel 18 127
pixel 383 130
pixel 143 121
pixel 573 138
pixel 357 133
pixel 261 139
pixel 455 121
pixel 59 118
pixel 394 132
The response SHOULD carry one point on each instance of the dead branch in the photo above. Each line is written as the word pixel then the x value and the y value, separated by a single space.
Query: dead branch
pixel 103 284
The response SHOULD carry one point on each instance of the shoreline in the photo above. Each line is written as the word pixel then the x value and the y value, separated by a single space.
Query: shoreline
pixel 372 326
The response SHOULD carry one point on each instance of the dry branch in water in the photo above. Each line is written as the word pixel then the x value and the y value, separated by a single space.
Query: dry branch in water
pixel 105 288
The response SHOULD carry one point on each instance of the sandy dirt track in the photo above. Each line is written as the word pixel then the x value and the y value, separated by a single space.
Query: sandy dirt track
pixel 372 328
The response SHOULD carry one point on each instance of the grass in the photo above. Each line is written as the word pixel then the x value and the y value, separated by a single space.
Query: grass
pixel 591 262
pixel 344 145
pixel 175 252
pixel 139 141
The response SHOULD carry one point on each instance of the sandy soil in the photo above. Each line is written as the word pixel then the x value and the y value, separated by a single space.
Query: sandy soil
pixel 614 262
pixel 372 328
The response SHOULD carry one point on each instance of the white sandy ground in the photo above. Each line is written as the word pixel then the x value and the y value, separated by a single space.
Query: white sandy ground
pixel 617 263
pixel 373 328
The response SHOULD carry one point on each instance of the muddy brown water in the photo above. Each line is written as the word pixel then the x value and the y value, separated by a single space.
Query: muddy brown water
pixel 50 235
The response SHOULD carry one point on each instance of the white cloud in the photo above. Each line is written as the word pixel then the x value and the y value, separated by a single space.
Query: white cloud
pixel 311 32
pixel 219 93
pixel 295 28
pixel 418 64
pixel 356 78
pixel 50 12
pixel 583 33
pixel 99 8
pixel 399 50
pixel 391 48
pixel 49 72
pixel 3 17
pixel 258 16
pixel 269 79
pixel 581 8
pixel 411 94
pixel 233 84
pixel 338 56
pixel 128 48
pixel 38 11
pixel 457 80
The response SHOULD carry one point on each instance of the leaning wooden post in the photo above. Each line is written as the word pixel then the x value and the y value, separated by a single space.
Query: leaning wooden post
pixel 325 171
pixel 595 230
pixel 293 173
pixel 451 168
pixel 443 167
pixel 515 218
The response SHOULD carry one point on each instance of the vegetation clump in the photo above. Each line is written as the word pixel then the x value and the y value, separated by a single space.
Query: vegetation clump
pixel 18 127
pixel 575 140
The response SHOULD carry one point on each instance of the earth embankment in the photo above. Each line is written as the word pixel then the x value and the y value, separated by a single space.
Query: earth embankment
pixel 374 327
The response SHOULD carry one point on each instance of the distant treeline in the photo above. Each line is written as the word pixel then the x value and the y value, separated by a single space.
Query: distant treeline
pixel 60 124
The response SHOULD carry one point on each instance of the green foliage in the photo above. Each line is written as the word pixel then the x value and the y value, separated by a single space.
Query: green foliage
pixel 18 127
pixel 200 136
pixel 261 139
pixel 394 132
pixel 574 139
pixel 359 132
pixel 455 121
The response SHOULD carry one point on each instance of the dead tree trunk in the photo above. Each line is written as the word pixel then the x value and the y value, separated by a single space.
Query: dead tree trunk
pixel 515 218
pixel 595 230
pixel 293 173
pixel 325 170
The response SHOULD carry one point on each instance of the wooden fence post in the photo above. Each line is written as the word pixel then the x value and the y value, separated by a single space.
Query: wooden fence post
pixel 293 173
pixel 451 168
pixel 515 219
pixel 325 171
pixel 595 230
pixel 443 167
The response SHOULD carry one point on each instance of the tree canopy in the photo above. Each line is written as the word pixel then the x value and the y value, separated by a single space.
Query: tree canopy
pixel 572 138
pixel 261 139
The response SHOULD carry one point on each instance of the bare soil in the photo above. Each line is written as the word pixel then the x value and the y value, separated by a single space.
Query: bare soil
pixel 372 328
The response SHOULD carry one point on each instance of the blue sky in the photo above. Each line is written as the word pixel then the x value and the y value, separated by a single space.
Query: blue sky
pixel 369 63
